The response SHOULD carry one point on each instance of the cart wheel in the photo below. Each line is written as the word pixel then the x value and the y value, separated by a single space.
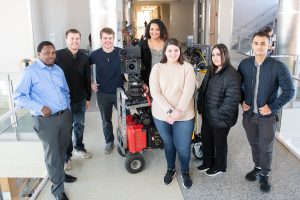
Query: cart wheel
pixel 197 151
pixel 134 163
pixel 119 148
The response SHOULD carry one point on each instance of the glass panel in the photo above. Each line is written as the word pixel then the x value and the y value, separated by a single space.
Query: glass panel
pixel 17 126
pixel 297 99
pixel 244 45
pixel 289 61
pixel 3 97
pixel 6 80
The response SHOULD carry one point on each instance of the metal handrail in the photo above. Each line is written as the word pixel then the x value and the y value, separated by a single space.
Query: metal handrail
pixel 8 114
pixel 296 78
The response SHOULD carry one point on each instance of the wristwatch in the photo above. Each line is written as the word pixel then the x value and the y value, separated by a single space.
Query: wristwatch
pixel 169 112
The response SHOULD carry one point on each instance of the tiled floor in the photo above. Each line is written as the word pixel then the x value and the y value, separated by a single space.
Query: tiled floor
pixel 104 177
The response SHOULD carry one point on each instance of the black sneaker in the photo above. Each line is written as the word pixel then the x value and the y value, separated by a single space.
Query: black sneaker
pixel 213 172
pixel 187 181
pixel 168 179
pixel 264 183
pixel 253 175
pixel 202 168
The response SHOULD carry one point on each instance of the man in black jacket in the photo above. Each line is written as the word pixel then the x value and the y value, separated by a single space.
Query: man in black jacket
pixel 76 67
pixel 261 78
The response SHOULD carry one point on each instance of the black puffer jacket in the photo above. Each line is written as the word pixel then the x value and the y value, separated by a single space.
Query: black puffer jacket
pixel 219 97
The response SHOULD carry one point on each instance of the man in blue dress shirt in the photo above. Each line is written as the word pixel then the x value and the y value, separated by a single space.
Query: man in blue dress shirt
pixel 43 90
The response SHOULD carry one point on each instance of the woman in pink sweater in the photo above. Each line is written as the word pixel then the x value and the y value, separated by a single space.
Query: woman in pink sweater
pixel 172 86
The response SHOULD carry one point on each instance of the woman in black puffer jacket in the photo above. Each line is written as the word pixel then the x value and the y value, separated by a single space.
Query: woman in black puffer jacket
pixel 218 101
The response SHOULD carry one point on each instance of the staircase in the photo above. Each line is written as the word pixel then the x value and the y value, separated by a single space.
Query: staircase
pixel 242 35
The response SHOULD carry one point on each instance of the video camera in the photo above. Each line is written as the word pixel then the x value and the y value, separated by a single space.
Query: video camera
pixel 131 64
pixel 131 60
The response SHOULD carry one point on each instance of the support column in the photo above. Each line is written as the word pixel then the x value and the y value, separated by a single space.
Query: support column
pixel 105 13
pixel 288 40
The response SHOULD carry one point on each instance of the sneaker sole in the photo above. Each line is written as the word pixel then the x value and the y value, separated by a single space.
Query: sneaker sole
pixel 172 179
pixel 108 152
pixel 203 170
pixel 214 174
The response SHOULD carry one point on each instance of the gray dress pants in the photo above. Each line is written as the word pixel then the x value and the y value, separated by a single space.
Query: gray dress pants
pixel 54 133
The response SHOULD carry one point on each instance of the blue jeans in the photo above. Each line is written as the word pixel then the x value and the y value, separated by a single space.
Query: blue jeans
pixel 177 137
pixel 78 112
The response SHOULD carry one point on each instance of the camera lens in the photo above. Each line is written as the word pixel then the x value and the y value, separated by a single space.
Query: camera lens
pixel 131 66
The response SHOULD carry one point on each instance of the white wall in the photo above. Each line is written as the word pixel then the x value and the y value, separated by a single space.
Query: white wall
pixel 22 159
pixel 52 18
pixel 181 18
pixel 106 13
pixel 225 22
pixel 15 36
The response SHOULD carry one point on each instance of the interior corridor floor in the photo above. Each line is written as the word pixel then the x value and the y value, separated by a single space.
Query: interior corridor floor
pixel 104 177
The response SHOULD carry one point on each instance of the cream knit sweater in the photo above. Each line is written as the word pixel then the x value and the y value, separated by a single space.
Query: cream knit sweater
pixel 172 86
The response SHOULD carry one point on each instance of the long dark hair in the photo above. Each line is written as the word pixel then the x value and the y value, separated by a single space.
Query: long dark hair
pixel 172 41
pixel 225 57
pixel 163 30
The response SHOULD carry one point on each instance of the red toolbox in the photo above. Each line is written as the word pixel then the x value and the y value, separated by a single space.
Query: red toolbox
pixel 136 138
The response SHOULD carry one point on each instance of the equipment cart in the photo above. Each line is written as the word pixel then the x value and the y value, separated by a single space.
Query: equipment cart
pixel 199 56
pixel 136 131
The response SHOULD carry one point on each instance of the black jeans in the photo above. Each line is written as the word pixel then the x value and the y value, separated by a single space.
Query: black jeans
pixel 106 102
pixel 214 141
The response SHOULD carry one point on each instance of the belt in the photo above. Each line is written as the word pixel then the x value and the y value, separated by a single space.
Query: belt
pixel 254 114
pixel 59 113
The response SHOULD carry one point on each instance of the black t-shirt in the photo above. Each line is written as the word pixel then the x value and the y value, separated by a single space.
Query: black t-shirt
pixel 108 69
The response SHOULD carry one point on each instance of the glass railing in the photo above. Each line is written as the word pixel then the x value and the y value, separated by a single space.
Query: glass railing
pixel 288 133
pixel 7 83
pixel 244 44
pixel 293 64
pixel 17 125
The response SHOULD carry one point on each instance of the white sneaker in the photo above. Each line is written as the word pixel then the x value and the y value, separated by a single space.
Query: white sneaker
pixel 83 154
pixel 68 165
